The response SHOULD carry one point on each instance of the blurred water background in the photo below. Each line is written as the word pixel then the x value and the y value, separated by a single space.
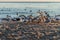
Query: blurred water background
pixel 24 9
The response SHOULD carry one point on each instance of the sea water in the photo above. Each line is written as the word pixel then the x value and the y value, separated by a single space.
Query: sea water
pixel 24 8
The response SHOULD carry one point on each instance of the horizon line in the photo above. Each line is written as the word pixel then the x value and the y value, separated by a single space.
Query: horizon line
pixel 29 2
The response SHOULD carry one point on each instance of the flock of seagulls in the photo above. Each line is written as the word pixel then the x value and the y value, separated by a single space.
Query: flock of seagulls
pixel 42 17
